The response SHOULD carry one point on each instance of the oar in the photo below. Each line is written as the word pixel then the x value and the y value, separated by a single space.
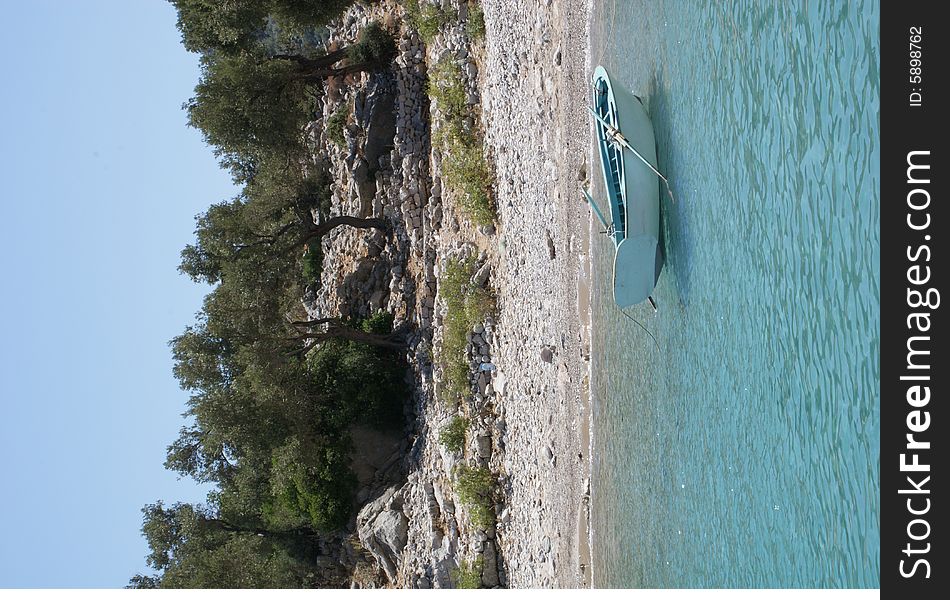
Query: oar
pixel 614 133
pixel 597 212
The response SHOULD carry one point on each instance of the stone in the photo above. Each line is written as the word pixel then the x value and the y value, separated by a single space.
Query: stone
pixel 483 381
pixel 547 354
pixel 365 185
pixel 383 530
pixel 500 382
pixel 489 565
pixel 481 278
pixel 483 442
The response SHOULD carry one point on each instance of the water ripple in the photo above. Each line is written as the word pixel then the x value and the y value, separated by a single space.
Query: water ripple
pixel 745 453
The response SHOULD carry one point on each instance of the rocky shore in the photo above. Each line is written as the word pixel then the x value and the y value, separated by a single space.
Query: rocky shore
pixel 528 414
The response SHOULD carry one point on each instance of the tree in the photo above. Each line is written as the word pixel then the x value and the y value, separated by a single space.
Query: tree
pixel 238 235
pixel 192 547
pixel 211 25
pixel 366 382
pixel 312 484
pixel 248 108
pixel 252 105
pixel 143 582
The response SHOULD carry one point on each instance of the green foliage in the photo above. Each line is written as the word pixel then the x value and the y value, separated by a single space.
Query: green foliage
pixel 465 170
pixel 143 582
pixel 428 19
pixel 248 108
pixel 467 305
pixel 192 547
pixel 312 482
pixel 272 393
pixel 469 575
pixel 255 239
pixel 380 322
pixel 307 12
pixel 447 88
pixel 475 26
pixel 374 48
pixel 336 124
pixel 313 262
pixel 362 384
pixel 281 190
pixel 313 192
pixel 452 436
pixel 209 26
pixel 474 487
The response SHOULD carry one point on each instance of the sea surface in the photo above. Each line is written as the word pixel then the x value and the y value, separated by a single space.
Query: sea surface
pixel 742 450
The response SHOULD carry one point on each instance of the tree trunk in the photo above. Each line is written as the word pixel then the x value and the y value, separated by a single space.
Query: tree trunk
pixel 388 341
pixel 318 74
pixel 315 322
pixel 318 63
pixel 330 224
pixel 287 533
pixel 380 340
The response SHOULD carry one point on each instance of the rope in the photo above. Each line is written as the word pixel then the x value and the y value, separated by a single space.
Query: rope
pixel 641 327
pixel 610 32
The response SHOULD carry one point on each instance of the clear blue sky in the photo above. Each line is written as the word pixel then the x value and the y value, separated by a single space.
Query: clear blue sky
pixel 101 180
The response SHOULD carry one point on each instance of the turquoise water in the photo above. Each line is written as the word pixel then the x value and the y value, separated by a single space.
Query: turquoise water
pixel 744 451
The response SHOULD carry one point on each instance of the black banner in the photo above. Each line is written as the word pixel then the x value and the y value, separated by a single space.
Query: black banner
pixel 915 372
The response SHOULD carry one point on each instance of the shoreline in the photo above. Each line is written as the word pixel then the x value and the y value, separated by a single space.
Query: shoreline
pixel 585 313
pixel 544 284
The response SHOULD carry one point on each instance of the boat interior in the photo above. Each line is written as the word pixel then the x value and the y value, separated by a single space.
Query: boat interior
pixel 612 157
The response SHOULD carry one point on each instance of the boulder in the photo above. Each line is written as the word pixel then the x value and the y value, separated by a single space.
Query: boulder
pixel 383 529
pixel 364 185
pixel 379 119
pixel 483 443
pixel 489 565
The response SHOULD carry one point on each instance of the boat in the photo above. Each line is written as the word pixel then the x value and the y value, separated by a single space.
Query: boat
pixel 627 149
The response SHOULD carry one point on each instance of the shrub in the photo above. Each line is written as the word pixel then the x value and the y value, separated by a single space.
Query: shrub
pixel 448 90
pixel 313 484
pixel 428 19
pixel 452 436
pixel 475 27
pixel 466 306
pixel 375 46
pixel 336 124
pixel 465 170
pixel 313 263
pixel 474 487
pixel 469 575
pixel 314 192
pixel 381 322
